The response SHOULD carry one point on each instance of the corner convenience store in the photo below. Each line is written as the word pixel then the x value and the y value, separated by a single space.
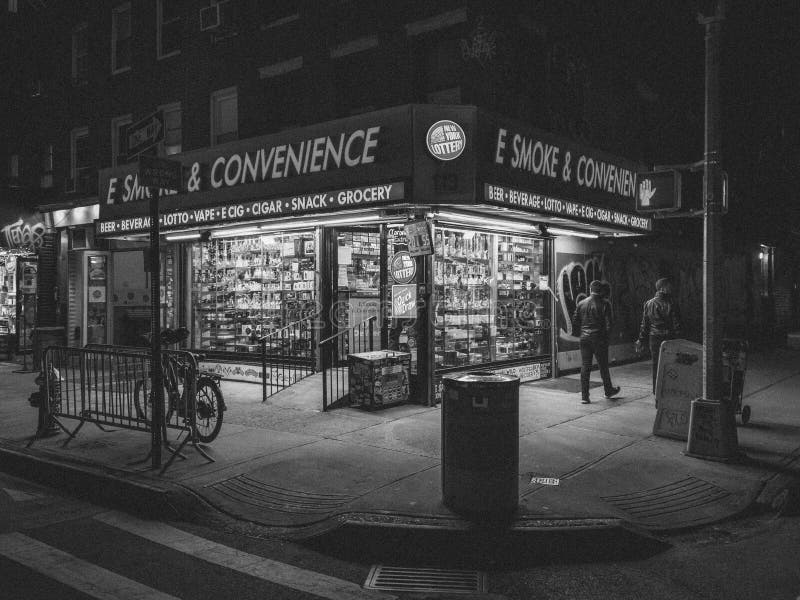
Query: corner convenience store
pixel 307 222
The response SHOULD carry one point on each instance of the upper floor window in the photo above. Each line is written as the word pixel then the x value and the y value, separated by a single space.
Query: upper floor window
pixel 47 166
pixel 173 128
pixel 13 166
pixel 168 34
pixel 12 6
pixel 224 116
pixel 80 54
pixel 81 170
pixel 119 141
pixel 121 38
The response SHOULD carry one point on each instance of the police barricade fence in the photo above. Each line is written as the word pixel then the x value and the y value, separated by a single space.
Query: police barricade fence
pixel 111 386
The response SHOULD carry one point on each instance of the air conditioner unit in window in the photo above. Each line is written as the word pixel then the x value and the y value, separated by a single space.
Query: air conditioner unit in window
pixel 209 17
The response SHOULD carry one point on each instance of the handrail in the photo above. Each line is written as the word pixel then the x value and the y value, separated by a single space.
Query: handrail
pixel 293 364
pixel 335 388
pixel 348 330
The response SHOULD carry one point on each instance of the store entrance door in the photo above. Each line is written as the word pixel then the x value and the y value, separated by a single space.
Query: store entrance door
pixel 357 278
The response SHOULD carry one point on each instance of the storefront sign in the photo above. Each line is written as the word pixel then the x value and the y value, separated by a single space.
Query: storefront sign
pixel 446 140
pixel 419 238
pixel 403 267
pixel 404 301
pixel 520 156
pixel 259 209
pixel 538 203
pixel 331 155
pixel 659 191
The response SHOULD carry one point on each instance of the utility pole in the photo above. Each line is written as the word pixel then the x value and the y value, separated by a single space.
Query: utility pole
pixel 713 209
pixel 712 424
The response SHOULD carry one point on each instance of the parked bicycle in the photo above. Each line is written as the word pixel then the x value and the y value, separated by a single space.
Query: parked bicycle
pixel 209 404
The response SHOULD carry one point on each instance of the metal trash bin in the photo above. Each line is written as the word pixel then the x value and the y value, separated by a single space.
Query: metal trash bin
pixel 480 444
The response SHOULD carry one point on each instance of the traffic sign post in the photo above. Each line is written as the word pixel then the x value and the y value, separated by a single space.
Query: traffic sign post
pixel 157 172
pixel 154 172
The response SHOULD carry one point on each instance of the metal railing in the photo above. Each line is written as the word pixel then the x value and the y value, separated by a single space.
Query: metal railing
pixel 287 356
pixel 110 387
pixel 333 354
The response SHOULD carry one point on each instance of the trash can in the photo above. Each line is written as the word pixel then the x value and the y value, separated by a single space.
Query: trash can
pixel 480 444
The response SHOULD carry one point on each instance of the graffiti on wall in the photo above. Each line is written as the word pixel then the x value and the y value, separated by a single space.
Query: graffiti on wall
pixel 27 234
pixel 631 276
pixel 575 273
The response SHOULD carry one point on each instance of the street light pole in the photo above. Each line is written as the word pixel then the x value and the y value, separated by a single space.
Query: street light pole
pixel 713 209
pixel 712 424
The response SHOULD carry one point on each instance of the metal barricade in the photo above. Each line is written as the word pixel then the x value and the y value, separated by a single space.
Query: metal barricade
pixel 111 387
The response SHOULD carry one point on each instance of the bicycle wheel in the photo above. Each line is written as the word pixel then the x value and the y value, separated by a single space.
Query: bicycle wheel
pixel 208 410
pixel 143 401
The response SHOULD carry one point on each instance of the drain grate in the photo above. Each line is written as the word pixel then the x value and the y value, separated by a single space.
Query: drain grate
pixel 403 579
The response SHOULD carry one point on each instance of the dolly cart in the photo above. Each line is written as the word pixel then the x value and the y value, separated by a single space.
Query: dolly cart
pixel 734 365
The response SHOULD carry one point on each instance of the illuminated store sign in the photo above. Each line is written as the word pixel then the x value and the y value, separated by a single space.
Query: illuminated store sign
pixel 539 203
pixel 520 156
pixel 445 140
pixel 258 209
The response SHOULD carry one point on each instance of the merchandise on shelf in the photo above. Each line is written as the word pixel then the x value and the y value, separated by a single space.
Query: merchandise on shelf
pixel 244 288
pixel 487 302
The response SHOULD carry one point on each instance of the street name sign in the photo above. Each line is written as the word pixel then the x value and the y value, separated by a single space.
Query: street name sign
pixel 157 172
pixel 145 134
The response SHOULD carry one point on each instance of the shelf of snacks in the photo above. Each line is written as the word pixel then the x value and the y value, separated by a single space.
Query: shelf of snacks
pixel 243 288
pixel 462 298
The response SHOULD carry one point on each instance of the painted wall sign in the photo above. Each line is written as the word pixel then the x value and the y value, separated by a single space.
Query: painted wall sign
pixel 403 267
pixel 258 209
pixel 446 140
pixel 529 201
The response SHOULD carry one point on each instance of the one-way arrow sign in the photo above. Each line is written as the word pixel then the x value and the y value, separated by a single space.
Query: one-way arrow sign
pixel 145 134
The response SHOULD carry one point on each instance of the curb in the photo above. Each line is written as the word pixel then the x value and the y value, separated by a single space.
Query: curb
pixel 102 485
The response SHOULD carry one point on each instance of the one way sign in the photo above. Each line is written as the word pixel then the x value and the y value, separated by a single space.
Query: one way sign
pixel 145 134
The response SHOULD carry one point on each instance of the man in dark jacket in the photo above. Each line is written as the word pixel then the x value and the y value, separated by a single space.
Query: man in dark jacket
pixel 593 320
pixel 660 322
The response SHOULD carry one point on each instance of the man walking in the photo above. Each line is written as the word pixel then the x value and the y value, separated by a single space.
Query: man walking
pixel 593 320
pixel 660 322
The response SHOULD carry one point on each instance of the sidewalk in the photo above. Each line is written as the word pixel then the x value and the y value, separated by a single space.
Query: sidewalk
pixel 288 466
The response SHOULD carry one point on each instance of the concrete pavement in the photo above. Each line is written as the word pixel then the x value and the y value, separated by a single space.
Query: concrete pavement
pixel 288 466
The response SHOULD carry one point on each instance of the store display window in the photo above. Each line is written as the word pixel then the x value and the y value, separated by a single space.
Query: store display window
pixel 487 303
pixel 245 287
pixel 8 296
pixel 96 299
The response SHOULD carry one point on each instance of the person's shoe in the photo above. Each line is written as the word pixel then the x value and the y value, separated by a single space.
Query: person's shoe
pixel 614 391
pixel 586 401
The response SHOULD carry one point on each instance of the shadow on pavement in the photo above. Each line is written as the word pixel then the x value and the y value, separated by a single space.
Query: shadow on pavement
pixel 484 549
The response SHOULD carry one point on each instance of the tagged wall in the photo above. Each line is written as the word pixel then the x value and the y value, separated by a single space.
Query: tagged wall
pixel 631 267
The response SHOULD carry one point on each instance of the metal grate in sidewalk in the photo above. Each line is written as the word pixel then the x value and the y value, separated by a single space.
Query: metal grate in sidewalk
pixel 404 579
